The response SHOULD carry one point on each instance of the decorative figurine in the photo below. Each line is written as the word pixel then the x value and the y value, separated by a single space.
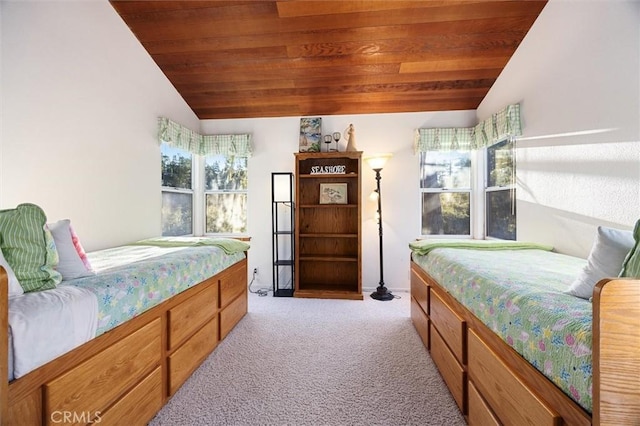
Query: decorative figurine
pixel 351 138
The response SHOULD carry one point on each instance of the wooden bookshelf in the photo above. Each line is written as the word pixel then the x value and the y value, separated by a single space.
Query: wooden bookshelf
pixel 328 238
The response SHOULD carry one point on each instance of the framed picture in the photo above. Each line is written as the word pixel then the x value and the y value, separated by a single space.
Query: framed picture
pixel 310 134
pixel 333 193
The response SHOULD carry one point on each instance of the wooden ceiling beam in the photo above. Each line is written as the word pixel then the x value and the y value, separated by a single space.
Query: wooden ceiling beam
pixel 427 77
pixel 236 56
pixel 202 101
pixel 461 44
pixel 216 86
pixel 250 73
pixel 513 26
pixel 505 24
pixel 168 13
pixel 453 89
pixel 337 108
pixel 292 9
pixel 333 76
pixel 277 39
pixel 454 64
pixel 203 23
pixel 211 83
pixel 497 57
pixel 146 7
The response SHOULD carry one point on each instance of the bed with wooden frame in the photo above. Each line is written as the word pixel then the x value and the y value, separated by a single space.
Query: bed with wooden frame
pixel 127 374
pixel 493 384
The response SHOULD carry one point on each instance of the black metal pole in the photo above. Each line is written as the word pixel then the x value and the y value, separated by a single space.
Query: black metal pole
pixel 381 292
pixel 381 284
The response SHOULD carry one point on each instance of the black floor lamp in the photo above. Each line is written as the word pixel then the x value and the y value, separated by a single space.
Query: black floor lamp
pixel 377 162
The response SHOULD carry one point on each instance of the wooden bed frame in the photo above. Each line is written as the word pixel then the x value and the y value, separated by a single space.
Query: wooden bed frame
pixel 127 374
pixel 493 384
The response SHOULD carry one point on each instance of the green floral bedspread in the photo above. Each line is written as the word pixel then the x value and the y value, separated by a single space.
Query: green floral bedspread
pixel 132 279
pixel 518 295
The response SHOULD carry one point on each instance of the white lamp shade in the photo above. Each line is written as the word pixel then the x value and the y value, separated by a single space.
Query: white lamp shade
pixel 282 187
pixel 377 161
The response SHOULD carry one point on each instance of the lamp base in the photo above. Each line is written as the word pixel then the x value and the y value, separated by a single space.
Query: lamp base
pixel 382 294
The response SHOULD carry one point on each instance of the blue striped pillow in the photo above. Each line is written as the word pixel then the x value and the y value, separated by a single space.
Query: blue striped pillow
pixel 26 247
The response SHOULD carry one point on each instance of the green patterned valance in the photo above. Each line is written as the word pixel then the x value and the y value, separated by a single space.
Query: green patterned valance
pixel 501 125
pixel 507 123
pixel 445 139
pixel 178 136
pixel 227 145
pixel 181 137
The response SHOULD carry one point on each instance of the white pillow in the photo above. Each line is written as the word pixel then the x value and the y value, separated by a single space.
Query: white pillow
pixel 15 289
pixel 609 250
pixel 70 265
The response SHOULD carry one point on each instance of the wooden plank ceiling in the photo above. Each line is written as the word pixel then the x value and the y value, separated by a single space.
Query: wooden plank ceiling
pixel 233 59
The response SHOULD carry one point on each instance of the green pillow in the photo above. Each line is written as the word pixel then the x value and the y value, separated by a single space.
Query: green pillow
pixel 631 265
pixel 26 247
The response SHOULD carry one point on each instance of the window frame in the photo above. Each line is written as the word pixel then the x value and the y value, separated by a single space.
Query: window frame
pixel 199 196
pixel 176 190
pixel 470 190
pixel 478 195
pixel 498 188
pixel 205 192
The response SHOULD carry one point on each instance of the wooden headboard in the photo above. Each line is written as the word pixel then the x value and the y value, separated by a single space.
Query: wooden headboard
pixel 616 352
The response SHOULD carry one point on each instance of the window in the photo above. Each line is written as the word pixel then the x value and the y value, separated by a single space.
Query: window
pixel 222 197
pixel 177 191
pixel 445 185
pixel 226 194
pixel 500 191
pixel 447 192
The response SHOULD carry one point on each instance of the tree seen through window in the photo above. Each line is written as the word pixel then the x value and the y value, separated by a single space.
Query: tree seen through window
pixel 226 194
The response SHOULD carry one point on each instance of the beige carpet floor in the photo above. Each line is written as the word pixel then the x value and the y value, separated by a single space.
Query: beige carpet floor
pixel 317 362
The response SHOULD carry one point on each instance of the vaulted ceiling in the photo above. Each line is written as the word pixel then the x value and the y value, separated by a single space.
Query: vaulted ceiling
pixel 233 59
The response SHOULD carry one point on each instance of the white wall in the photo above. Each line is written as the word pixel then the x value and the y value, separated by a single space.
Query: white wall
pixel 80 101
pixel 577 70
pixel 276 139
